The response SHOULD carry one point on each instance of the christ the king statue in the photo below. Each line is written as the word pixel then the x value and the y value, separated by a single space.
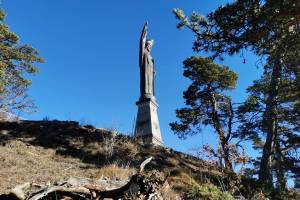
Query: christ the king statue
pixel 146 63
pixel 147 123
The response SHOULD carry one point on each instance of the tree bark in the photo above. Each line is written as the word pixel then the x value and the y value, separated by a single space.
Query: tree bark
pixel 280 172
pixel 218 127
pixel 269 125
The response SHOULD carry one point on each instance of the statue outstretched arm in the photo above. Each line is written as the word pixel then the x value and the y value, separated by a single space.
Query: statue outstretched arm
pixel 143 42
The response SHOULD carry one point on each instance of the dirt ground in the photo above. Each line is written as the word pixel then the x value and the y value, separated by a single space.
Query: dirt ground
pixel 50 151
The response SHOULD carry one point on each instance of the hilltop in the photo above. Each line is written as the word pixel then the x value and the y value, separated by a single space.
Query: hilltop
pixel 51 151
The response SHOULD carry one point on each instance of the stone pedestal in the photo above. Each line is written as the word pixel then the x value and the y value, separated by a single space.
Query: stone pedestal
pixel 147 124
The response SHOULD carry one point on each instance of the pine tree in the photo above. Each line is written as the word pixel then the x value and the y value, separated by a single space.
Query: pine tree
pixel 271 30
pixel 286 122
pixel 15 62
pixel 207 103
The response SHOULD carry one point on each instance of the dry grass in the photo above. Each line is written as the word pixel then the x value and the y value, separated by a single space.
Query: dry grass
pixel 179 181
pixel 116 172
pixel 53 151
pixel 21 162
pixel 168 193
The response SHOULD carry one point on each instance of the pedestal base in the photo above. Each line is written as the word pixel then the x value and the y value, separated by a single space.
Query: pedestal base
pixel 147 124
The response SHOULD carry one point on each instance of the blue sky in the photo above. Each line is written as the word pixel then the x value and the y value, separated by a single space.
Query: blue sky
pixel 91 71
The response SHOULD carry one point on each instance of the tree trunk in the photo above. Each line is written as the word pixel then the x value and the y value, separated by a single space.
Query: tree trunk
pixel 280 172
pixel 269 123
pixel 218 127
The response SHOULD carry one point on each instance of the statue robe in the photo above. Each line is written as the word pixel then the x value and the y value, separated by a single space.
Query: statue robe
pixel 147 73
pixel 146 63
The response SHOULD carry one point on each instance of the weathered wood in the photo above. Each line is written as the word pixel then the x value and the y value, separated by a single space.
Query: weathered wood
pixel 144 163
pixel 18 191
pixel 62 189
pixel 142 184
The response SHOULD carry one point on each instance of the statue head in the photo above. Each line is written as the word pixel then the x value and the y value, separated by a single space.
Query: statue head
pixel 149 44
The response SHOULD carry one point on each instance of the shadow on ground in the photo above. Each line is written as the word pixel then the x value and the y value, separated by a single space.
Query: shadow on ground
pixel 101 147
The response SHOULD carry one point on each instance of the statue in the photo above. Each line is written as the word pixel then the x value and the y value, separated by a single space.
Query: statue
pixel 147 124
pixel 146 63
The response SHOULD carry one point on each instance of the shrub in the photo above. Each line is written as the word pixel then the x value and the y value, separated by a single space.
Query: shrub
pixel 259 196
pixel 206 191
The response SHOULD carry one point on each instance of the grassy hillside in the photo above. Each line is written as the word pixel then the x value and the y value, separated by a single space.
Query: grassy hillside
pixel 42 151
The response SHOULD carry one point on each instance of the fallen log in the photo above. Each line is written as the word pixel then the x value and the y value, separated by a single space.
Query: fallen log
pixel 143 185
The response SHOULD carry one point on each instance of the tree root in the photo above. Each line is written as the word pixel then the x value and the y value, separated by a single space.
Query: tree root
pixel 141 186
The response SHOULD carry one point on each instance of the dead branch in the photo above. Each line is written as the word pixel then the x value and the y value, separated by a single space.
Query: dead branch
pixel 144 163
pixel 144 185
pixel 18 191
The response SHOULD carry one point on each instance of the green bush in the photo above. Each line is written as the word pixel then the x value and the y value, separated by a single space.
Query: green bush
pixel 206 191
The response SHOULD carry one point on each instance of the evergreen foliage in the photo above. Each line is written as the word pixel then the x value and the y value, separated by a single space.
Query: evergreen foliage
pixel 270 115
pixel 206 191
pixel 286 141
pixel 207 103
pixel 16 61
